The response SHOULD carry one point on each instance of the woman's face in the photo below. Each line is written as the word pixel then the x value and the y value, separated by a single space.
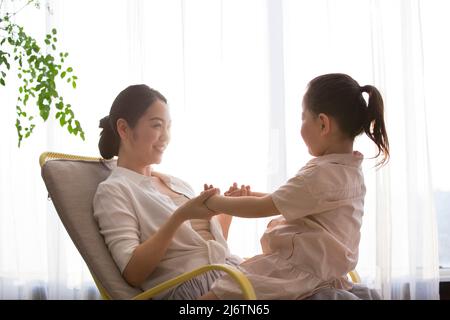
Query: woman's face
pixel 151 135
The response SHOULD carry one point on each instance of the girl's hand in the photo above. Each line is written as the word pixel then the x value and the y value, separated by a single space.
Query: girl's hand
pixel 195 208
pixel 234 191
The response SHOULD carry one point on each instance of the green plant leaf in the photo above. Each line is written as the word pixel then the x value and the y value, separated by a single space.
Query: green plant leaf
pixel 39 84
pixel 45 112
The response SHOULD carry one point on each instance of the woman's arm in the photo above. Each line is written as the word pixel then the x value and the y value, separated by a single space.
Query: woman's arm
pixel 245 207
pixel 148 254
pixel 224 219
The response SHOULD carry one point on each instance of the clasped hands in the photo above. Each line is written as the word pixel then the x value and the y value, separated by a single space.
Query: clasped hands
pixel 196 207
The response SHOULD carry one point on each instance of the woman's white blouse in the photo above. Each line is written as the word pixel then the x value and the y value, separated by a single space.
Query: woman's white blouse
pixel 129 209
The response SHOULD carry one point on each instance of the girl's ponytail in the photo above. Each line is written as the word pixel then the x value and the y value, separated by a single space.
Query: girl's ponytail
pixel 374 125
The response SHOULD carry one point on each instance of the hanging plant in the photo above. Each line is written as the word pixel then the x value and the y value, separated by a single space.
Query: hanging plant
pixel 40 69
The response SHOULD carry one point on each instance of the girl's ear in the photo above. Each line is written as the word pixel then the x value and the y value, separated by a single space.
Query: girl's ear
pixel 122 128
pixel 325 124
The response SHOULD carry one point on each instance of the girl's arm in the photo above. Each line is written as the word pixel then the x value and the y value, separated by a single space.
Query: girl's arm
pixel 148 254
pixel 258 194
pixel 245 207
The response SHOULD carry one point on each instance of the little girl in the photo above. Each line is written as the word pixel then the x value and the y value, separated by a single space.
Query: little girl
pixel 314 243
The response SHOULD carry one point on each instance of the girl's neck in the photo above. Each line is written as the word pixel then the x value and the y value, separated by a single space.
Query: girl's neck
pixel 344 146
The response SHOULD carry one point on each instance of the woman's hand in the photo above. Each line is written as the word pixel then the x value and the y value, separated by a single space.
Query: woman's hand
pixel 223 218
pixel 196 208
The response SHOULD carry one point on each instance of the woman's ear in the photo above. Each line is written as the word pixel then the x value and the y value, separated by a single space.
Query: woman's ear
pixel 325 124
pixel 122 128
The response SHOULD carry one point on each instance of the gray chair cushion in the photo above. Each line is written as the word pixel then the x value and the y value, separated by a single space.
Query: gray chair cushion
pixel 72 185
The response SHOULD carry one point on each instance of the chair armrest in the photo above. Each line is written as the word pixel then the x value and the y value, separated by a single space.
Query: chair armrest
pixel 238 276
pixel 354 276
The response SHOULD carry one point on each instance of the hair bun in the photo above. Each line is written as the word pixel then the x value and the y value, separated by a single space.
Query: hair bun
pixel 104 123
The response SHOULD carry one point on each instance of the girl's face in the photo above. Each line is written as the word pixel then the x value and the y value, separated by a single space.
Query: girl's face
pixel 311 131
pixel 151 135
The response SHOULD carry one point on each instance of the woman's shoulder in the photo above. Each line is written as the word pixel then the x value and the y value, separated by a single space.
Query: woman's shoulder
pixel 113 183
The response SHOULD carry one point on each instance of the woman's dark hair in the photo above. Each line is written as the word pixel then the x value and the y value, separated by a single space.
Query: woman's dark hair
pixel 340 96
pixel 129 105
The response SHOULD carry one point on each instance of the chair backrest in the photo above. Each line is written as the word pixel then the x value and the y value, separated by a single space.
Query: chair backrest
pixel 72 185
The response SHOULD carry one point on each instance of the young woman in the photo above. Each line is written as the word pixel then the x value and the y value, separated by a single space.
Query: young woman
pixel 152 223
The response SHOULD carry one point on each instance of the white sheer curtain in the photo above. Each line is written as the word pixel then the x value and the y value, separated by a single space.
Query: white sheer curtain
pixel 234 73
pixel 404 199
